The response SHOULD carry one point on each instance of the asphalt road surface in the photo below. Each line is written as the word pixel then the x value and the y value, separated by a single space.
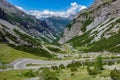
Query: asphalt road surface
pixel 21 63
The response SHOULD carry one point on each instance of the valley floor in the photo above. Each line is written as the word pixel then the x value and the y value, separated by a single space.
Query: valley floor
pixel 22 62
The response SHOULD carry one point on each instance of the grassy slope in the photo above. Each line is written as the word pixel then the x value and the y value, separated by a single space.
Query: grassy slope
pixel 12 75
pixel 8 54
pixel 82 74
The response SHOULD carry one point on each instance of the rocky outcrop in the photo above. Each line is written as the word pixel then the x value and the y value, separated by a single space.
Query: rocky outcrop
pixel 97 18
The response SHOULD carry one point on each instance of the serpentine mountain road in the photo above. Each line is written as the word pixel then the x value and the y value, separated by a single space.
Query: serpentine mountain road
pixel 21 63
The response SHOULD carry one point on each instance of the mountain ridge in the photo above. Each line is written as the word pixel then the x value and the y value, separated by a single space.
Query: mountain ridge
pixel 27 23
pixel 57 23
pixel 99 23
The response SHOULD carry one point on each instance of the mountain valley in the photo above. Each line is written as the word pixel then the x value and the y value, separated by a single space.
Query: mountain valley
pixel 80 47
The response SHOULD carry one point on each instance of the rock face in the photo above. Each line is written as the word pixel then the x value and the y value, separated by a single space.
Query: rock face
pixel 96 19
pixel 26 23
pixel 98 1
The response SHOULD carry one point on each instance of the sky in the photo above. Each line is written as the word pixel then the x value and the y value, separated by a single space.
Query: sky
pixel 47 8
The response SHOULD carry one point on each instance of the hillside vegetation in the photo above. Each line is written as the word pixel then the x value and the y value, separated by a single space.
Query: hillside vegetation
pixel 96 28
pixel 9 54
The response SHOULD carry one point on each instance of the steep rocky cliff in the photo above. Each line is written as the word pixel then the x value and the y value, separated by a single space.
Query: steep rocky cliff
pixel 97 24
pixel 26 23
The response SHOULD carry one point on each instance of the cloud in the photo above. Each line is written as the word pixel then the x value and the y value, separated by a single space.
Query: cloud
pixel 74 8
pixel 20 8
